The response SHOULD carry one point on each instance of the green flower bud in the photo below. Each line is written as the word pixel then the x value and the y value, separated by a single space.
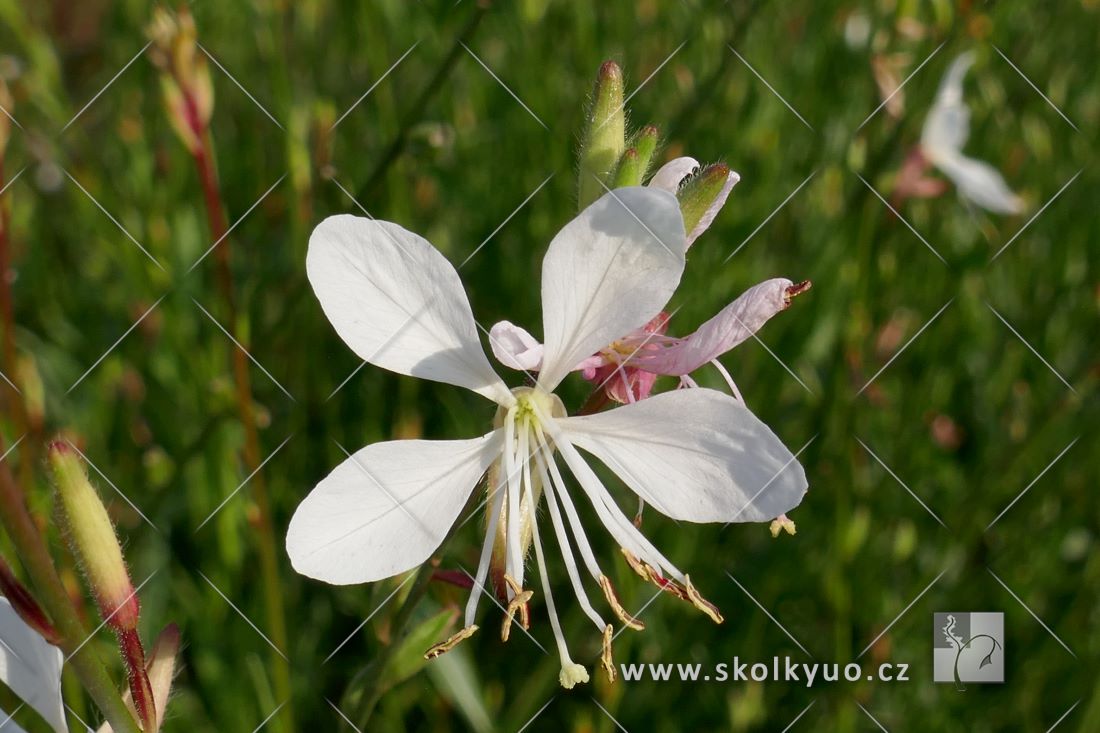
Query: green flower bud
pixel 703 195
pixel 604 137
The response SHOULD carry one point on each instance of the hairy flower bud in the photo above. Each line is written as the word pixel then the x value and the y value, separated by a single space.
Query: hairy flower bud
pixel 604 136
pixel 186 88
pixel 702 196
pixel 91 536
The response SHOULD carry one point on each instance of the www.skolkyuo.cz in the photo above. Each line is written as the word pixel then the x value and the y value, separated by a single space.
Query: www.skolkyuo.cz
pixel 780 669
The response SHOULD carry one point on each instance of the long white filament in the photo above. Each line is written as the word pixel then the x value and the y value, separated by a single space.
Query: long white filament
pixel 495 503
pixel 559 637
pixel 513 553
pixel 563 543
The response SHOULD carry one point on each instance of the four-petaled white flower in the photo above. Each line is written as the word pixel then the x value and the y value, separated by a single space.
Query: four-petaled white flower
pixel 694 455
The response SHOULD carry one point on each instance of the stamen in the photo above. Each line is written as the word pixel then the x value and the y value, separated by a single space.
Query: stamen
pixel 514 555
pixel 702 603
pixel 547 453
pixel 617 607
pixel 446 646
pixel 635 564
pixel 520 598
pixel 496 502
pixel 605 656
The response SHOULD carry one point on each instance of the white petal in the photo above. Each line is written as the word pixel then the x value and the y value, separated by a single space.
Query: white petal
pixel 712 211
pixel 695 455
pixel 608 272
pixel 385 509
pixel 514 347
pixel 669 175
pixel 398 303
pixel 31 667
pixel 947 125
pixel 981 183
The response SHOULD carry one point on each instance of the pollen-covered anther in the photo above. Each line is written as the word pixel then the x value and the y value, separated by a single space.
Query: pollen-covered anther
pixel 635 564
pixel 617 607
pixel 605 655
pixel 702 603
pixel 665 584
pixel 445 646
pixel 795 290
pixel 520 598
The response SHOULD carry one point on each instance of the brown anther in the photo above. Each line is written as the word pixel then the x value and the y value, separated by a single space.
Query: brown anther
pixel 520 597
pixel 666 584
pixel 702 603
pixel 617 607
pixel 436 649
pixel 635 564
pixel 605 656
pixel 795 290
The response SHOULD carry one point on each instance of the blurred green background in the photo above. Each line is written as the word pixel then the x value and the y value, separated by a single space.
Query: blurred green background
pixel 967 416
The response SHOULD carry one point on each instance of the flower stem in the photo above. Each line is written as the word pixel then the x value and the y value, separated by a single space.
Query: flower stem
pixel 40 569
pixel 269 567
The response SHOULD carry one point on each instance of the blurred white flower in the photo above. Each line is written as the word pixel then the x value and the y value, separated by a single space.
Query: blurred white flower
pixel 695 455
pixel 31 668
pixel 946 130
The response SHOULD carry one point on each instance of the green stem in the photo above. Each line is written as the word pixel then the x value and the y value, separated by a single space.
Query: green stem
pixel 51 593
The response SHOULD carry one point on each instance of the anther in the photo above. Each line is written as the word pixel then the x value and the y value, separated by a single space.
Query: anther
pixel 436 649
pixel 617 607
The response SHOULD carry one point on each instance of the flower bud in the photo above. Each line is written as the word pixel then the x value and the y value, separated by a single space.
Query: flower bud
pixel 604 137
pixel 24 604
pixel 92 539
pixel 186 88
pixel 703 195
pixel 160 669
pixel 34 393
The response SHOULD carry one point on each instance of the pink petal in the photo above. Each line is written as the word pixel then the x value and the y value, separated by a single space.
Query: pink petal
pixel 514 347
pixel 736 322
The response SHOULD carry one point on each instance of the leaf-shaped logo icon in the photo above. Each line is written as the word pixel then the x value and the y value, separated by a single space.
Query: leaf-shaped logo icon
pixel 988 659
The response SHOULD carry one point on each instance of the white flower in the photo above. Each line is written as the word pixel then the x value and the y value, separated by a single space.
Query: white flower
pixel 31 668
pixel 945 132
pixel 694 455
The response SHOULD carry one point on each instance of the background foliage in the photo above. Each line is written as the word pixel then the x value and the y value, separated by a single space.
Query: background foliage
pixel 967 416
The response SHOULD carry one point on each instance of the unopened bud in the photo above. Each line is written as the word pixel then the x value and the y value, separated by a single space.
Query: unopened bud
pixel 703 195
pixel 24 604
pixel 186 88
pixel 92 538
pixel 604 135
pixel 34 392
pixel 160 668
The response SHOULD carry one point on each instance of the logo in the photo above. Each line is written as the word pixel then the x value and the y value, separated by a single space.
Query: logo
pixel 968 647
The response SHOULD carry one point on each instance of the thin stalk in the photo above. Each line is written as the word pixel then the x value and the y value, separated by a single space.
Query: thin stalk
pixel 40 569
pixel 269 566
